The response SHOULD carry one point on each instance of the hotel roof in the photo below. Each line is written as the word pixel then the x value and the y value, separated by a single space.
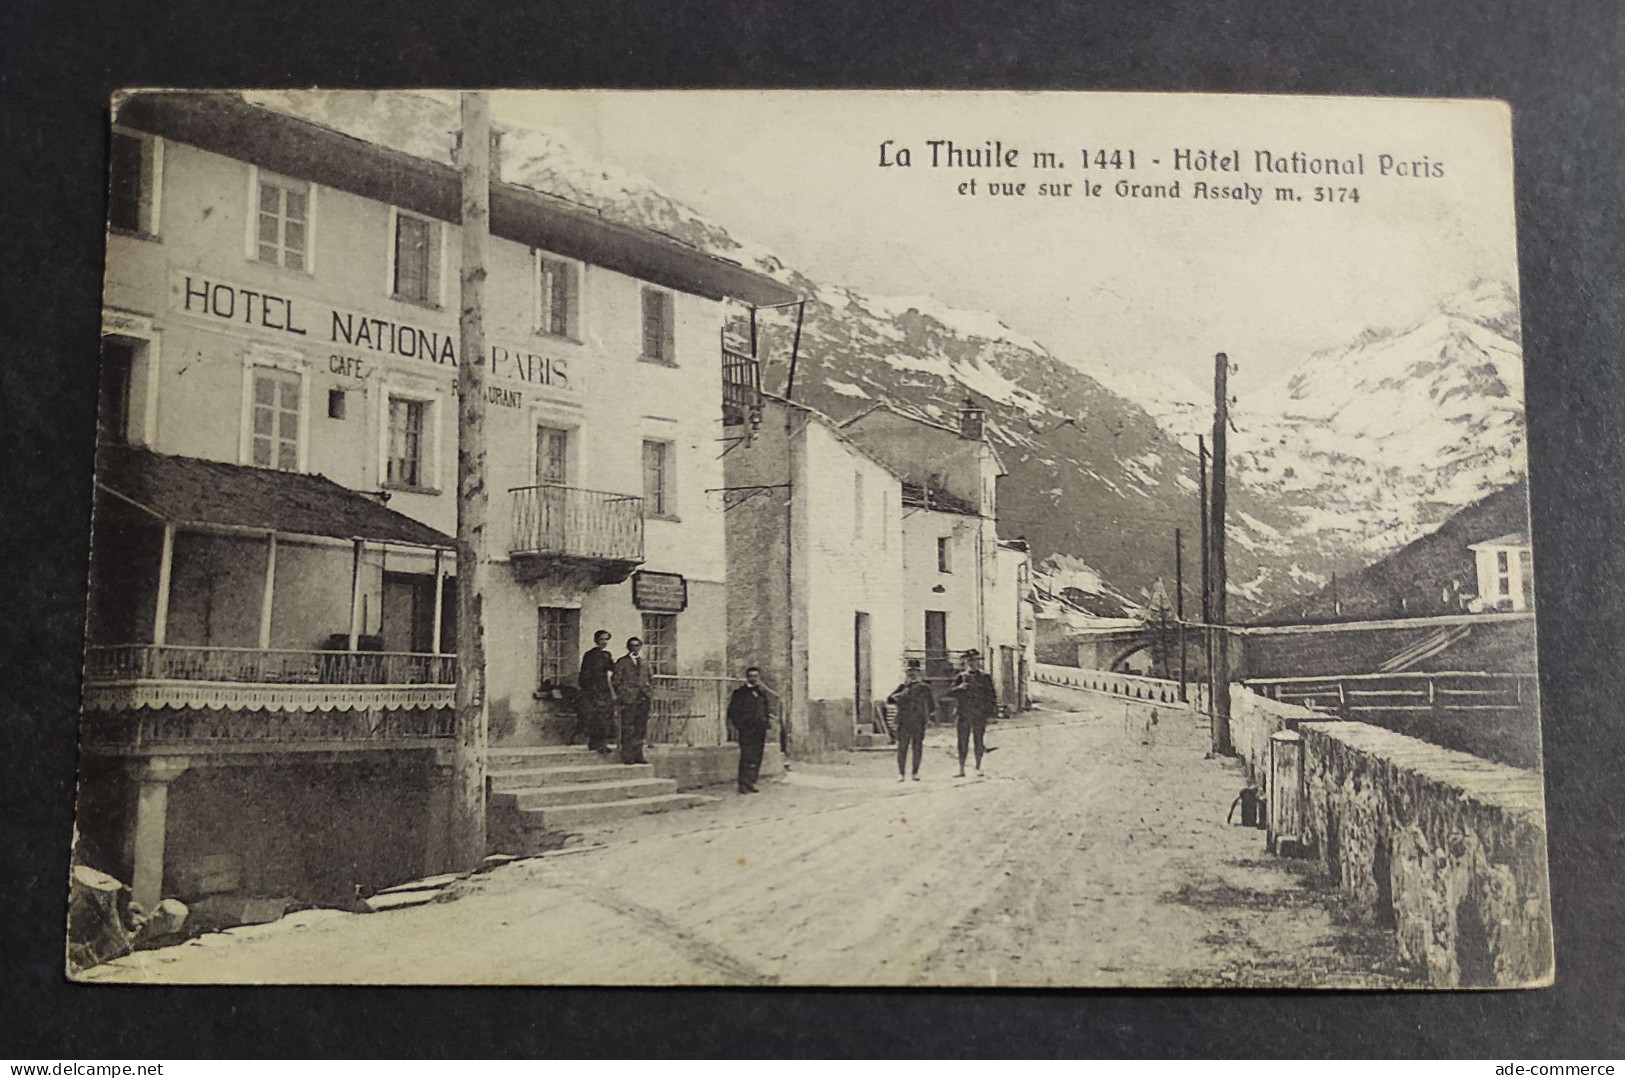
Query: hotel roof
pixel 225 124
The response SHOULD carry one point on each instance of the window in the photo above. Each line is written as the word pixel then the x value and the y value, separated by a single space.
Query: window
pixel 857 505
pixel 1526 577
pixel 407 424
pixel 944 551
pixel 134 165
pixel 335 404
pixel 657 492
pixel 556 645
pixel 282 222
pixel 552 456
pixel 658 339
pixel 275 440
pixel 415 260
pixel 117 374
pixel 660 642
pixel 557 297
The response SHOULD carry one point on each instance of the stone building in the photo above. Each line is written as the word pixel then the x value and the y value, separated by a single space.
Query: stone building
pixel 815 573
pixel 281 303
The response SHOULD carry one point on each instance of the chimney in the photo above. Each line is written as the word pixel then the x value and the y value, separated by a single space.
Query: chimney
pixel 970 420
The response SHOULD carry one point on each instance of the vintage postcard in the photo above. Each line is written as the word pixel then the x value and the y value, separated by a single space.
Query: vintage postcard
pixel 810 538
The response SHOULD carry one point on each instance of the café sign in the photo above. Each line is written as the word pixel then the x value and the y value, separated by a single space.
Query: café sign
pixel 659 593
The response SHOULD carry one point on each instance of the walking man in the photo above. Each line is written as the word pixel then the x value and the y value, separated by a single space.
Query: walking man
pixel 976 702
pixel 750 713
pixel 595 706
pixel 634 691
pixel 915 706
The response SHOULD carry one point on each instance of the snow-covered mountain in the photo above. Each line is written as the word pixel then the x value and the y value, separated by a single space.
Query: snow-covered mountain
pixel 1357 451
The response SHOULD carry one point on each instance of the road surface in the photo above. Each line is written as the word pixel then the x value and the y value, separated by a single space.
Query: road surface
pixel 1082 857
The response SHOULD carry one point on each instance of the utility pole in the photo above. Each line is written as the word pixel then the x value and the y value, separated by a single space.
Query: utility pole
pixel 1207 588
pixel 468 759
pixel 1179 607
pixel 1220 675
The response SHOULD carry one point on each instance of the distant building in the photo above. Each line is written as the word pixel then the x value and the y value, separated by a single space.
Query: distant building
pixel 280 336
pixel 1506 572
pixel 1460 567
pixel 815 572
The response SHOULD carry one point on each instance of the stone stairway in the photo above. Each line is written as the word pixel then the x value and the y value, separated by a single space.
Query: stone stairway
pixel 553 790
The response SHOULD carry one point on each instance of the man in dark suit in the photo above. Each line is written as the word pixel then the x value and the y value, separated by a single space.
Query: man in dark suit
pixel 634 691
pixel 750 712
pixel 915 706
pixel 976 702
pixel 595 706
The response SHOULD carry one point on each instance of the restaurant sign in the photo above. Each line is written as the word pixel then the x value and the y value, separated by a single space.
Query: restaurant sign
pixel 660 593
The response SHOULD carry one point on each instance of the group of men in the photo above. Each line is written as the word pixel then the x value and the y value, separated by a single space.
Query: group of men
pixel 615 696
pixel 975 702
pixel 618 692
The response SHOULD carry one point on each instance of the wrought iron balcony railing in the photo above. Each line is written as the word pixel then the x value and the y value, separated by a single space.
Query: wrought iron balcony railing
pixel 256 666
pixel 741 386
pixel 586 524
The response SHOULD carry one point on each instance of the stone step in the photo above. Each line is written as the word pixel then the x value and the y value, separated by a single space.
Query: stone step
pixel 530 777
pixel 585 793
pixel 593 814
pixel 506 759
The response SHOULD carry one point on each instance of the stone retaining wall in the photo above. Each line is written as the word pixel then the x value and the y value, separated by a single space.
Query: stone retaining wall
pixel 1253 718
pixel 1447 848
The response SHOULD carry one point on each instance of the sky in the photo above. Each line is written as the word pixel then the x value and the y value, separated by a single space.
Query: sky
pixel 1156 284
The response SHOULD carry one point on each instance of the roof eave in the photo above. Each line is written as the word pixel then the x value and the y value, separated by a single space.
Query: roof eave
pixel 228 125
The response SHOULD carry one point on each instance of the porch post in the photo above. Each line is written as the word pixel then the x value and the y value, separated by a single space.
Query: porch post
pixel 151 818
pixel 439 595
pixel 166 560
pixel 270 588
pixel 355 596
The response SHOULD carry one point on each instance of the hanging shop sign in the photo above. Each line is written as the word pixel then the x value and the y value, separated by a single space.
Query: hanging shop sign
pixel 660 593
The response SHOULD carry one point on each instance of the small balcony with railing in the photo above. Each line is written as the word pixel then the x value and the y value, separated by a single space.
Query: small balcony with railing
pixel 559 530
pixel 741 387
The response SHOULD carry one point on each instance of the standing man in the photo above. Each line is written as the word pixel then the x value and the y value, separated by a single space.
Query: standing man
pixel 595 706
pixel 915 706
pixel 750 713
pixel 634 690
pixel 977 701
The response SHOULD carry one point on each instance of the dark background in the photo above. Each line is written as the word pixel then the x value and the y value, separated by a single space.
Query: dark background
pixel 1559 64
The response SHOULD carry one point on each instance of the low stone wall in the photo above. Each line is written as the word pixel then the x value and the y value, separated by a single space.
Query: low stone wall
pixel 1126 686
pixel 1447 848
pixel 694 766
pixel 1253 718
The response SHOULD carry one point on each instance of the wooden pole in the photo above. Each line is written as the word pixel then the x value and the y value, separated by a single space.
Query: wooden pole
pixel 1179 606
pixel 269 593
pixel 1207 587
pixel 1221 644
pixel 467 831
pixel 355 594
pixel 439 598
pixel 166 563
pixel 795 351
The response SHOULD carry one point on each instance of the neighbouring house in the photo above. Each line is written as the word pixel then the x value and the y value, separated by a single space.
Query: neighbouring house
pixel 815 572
pixel 280 306
pixel 951 578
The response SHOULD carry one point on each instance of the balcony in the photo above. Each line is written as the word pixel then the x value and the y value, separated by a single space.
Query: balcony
pixel 151 697
pixel 564 531
pixel 741 386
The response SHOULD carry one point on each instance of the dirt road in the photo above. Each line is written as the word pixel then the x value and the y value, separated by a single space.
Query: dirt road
pixel 1081 858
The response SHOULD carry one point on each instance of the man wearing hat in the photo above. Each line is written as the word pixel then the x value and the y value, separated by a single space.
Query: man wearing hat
pixel 915 705
pixel 976 701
